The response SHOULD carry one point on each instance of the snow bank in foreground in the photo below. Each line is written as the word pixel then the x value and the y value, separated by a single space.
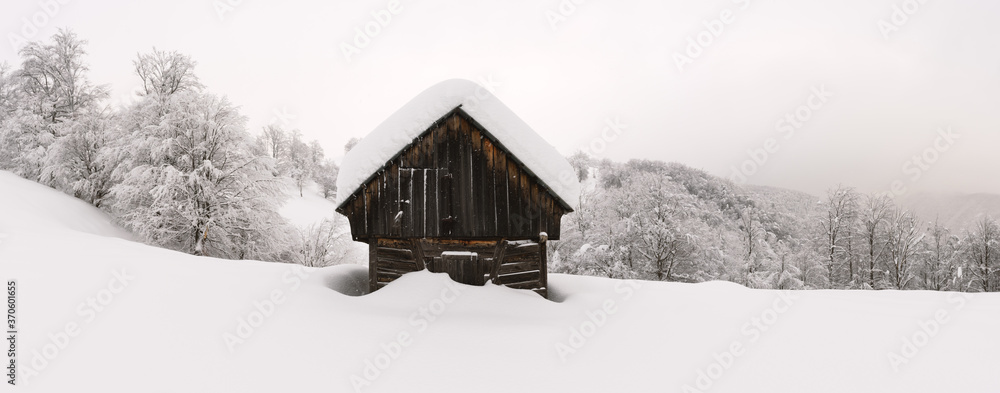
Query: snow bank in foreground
pixel 103 313
pixel 351 280
pixel 396 132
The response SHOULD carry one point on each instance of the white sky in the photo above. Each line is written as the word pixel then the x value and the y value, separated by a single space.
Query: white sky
pixel 609 59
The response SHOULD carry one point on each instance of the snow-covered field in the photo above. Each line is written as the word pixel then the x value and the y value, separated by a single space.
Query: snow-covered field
pixel 99 312
pixel 308 209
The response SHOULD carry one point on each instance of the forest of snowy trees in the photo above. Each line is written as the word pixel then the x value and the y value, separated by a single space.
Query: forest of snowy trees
pixel 180 169
pixel 177 167
pixel 658 221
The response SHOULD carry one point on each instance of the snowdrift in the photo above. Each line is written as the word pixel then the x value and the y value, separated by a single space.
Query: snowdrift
pixel 97 311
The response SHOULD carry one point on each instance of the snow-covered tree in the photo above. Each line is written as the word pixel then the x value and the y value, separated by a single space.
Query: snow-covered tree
pixel 665 236
pixel 351 143
pixel 24 135
pixel 293 156
pixel 301 165
pixel 323 244
pixel 70 143
pixel 840 215
pixel 788 273
pixel 165 73
pixel 316 154
pixel 756 254
pixel 326 178
pixel 902 241
pixel 192 182
pixel 812 271
pixel 55 77
pixel 40 102
pixel 940 253
pixel 10 91
pixel 983 255
pixel 81 161
pixel 581 163
pixel 273 141
pixel 874 224
pixel 603 261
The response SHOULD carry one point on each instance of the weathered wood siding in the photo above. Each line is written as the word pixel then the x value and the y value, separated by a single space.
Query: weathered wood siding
pixel 522 267
pixel 454 181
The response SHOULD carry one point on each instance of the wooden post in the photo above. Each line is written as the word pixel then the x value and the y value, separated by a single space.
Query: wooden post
pixel 372 264
pixel 543 267
pixel 418 253
pixel 498 255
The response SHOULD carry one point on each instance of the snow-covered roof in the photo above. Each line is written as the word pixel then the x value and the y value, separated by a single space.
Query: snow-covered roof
pixel 402 127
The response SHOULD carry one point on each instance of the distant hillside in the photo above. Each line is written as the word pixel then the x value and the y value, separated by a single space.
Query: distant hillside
pixel 667 221
pixel 781 211
pixel 956 211
pixel 796 199
pixel 793 210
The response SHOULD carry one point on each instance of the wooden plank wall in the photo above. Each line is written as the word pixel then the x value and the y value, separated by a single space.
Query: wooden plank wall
pixel 453 181
pixel 524 268
pixel 391 258
pixel 523 262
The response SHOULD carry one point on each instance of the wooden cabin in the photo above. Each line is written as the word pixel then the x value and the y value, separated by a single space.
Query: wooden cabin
pixel 456 200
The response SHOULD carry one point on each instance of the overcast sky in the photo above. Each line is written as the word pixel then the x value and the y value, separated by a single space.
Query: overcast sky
pixel 872 94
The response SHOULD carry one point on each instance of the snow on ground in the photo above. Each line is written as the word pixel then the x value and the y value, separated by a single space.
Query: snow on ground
pixel 26 205
pixel 98 312
pixel 407 123
pixel 308 209
pixel 307 212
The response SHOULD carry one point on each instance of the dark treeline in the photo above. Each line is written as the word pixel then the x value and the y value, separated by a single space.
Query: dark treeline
pixel 657 221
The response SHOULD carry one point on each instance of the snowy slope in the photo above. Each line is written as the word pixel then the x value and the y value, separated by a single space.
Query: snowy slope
pixel 146 319
pixel 308 209
pixel 27 205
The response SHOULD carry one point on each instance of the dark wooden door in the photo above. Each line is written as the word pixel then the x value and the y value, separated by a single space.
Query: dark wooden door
pixel 424 203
